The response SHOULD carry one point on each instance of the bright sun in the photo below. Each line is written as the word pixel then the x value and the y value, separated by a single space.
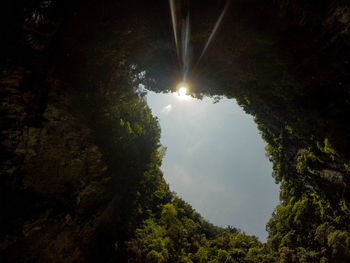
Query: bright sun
pixel 182 91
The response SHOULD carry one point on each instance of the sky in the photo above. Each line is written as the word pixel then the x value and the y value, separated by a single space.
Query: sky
pixel 215 160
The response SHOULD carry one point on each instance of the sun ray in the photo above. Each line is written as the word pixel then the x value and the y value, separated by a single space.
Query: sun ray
pixel 173 19
pixel 214 29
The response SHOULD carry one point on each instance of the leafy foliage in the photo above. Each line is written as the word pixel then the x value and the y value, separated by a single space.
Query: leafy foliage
pixel 285 62
pixel 182 235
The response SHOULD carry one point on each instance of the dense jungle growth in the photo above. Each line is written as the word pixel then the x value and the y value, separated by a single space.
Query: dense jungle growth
pixel 80 150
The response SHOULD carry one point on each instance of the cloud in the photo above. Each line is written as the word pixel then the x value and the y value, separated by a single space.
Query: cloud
pixel 167 109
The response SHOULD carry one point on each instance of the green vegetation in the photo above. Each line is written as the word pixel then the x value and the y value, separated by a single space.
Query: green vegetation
pixel 81 178
pixel 180 234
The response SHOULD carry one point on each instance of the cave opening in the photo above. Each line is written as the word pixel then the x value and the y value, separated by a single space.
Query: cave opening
pixel 215 160
pixel 81 168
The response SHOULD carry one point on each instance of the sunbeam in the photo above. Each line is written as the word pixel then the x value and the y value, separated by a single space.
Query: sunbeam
pixel 185 43
pixel 214 29
pixel 173 19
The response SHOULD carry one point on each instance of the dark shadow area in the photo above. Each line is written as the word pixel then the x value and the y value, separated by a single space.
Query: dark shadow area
pixel 80 170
